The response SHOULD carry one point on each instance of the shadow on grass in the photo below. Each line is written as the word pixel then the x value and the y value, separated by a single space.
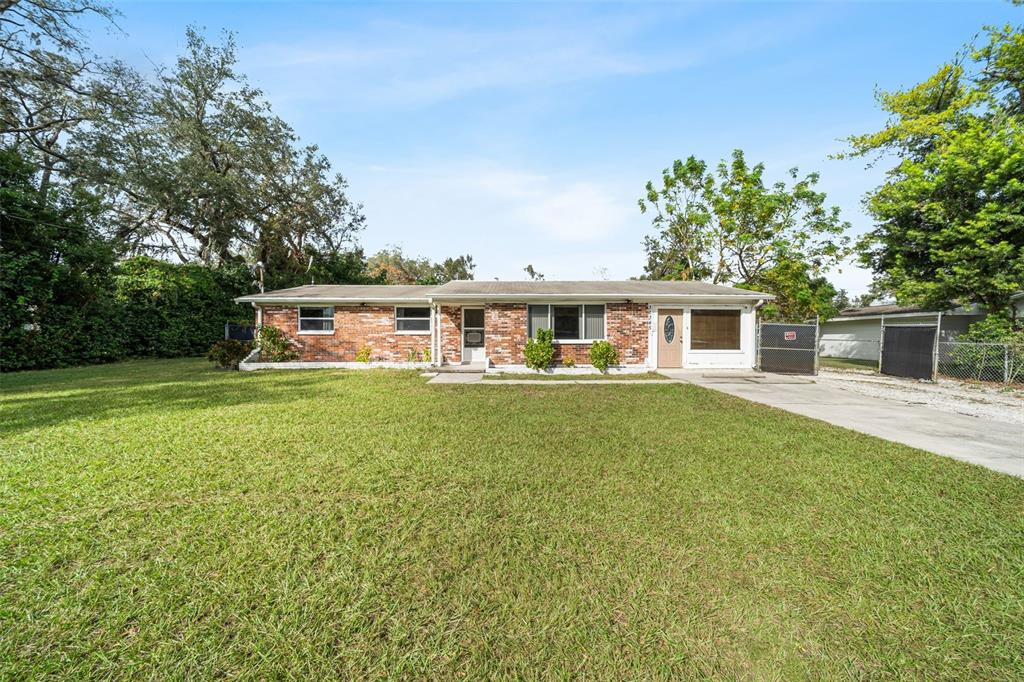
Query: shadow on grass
pixel 46 399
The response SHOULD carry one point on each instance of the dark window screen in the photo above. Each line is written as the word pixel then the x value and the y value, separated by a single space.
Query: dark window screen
pixel 715 330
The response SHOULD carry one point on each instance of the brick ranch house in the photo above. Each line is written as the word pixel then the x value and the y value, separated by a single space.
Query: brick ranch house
pixel 487 323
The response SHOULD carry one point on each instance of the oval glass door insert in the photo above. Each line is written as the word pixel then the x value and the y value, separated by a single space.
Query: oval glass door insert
pixel 670 329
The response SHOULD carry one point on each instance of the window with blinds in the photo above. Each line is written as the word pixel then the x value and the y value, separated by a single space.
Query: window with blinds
pixel 715 330
pixel 569 322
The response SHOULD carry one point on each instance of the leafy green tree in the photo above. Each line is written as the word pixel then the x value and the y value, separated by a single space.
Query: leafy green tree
pixel 460 267
pixel 342 267
pixel 727 225
pixel 202 170
pixel 51 85
pixel 799 294
pixel 533 274
pixel 949 218
pixel 392 266
pixel 56 306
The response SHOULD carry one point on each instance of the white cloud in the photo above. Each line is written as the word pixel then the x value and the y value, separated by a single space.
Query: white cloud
pixel 580 212
pixel 505 217
pixel 406 65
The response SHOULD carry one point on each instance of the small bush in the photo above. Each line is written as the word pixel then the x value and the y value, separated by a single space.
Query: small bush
pixel 426 354
pixel 363 354
pixel 228 353
pixel 540 351
pixel 569 362
pixel 275 346
pixel 603 355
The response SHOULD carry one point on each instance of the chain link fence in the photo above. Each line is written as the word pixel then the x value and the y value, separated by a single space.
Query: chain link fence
pixel 787 348
pixel 981 361
pixel 963 360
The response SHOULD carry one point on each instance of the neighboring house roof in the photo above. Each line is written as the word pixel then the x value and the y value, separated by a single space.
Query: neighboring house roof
pixel 893 309
pixel 503 290
pixel 887 309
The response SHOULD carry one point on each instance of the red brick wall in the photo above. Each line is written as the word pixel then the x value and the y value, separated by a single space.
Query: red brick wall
pixel 374 326
pixel 451 334
pixel 505 333
pixel 628 326
pixel 627 330
pixel 354 327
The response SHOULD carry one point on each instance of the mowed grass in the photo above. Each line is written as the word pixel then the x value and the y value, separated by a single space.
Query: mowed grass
pixel 164 520
pixel 848 363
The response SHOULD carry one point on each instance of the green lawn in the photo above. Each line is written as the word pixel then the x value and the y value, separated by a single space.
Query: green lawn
pixel 848 363
pixel 640 376
pixel 160 519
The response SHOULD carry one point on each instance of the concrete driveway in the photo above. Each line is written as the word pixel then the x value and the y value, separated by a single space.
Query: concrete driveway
pixel 994 444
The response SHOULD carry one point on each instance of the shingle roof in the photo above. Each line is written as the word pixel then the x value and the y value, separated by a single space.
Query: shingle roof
pixel 343 292
pixel 512 290
pixel 627 288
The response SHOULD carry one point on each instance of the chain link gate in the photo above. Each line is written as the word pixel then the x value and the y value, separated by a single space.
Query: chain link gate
pixel 787 348
pixel 909 351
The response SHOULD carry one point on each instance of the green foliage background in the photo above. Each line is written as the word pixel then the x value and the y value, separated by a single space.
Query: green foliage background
pixel 65 301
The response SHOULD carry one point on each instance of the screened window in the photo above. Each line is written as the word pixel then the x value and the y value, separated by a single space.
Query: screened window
pixel 569 322
pixel 316 320
pixel 412 320
pixel 715 330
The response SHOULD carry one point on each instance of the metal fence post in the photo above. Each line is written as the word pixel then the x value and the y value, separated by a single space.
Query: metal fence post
pixel 881 344
pixel 935 349
pixel 758 339
pixel 1006 364
pixel 226 332
pixel 817 341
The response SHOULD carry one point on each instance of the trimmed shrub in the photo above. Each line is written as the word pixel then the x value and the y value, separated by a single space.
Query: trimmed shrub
pixel 275 346
pixel 363 354
pixel 227 353
pixel 540 351
pixel 603 355
pixel 569 362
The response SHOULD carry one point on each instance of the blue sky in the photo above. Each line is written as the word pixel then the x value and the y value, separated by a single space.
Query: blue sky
pixel 524 133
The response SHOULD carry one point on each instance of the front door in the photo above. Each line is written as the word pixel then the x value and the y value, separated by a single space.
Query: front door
pixel 473 335
pixel 670 338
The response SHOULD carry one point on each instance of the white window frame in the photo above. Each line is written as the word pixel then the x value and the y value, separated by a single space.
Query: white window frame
pixel 581 304
pixel 314 332
pixel 414 332
pixel 713 351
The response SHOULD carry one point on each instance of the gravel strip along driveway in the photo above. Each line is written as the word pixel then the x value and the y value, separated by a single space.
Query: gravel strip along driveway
pixel 998 403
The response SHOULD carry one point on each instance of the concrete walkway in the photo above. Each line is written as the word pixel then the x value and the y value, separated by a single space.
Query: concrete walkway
pixel 465 378
pixel 989 443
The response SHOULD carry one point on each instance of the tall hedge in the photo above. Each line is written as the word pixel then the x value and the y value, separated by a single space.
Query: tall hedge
pixel 64 300
pixel 56 290
pixel 170 310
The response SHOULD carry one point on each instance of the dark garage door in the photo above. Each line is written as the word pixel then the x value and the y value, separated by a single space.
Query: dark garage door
pixel 907 351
